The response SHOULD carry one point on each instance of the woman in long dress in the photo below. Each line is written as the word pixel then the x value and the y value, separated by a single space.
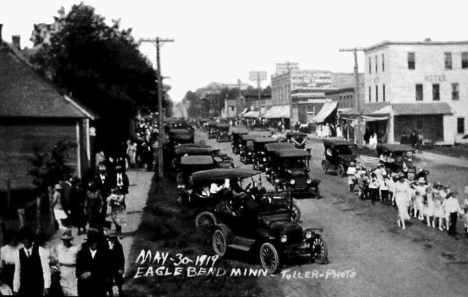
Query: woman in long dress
pixel 63 256
pixel 420 190
pixel 428 207
pixel 402 200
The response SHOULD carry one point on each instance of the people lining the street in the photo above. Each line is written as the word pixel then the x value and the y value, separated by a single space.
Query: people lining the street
pixel 402 200
pixel 8 254
pixel 64 256
pixel 59 212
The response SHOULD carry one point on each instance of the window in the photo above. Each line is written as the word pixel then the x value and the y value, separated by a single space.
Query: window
pixel 448 60
pixel 419 92
pixel 376 93
pixel 461 125
pixel 376 64
pixel 383 63
pixel 411 61
pixel 370 65
pixel 232 108
pixel 464 60
pixel 435 92
pixel 383 93
pixel 419 123
pixel 370 94
pixel 455 92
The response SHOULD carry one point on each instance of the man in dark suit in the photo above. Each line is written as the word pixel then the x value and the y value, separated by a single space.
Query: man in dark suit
pixel 120 179
pixel 92 263
pixel 116 263
pixel 103 180
pixel 32 272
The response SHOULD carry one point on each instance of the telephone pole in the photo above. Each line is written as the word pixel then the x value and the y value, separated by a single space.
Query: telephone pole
pixel 356 92
pixel 157 42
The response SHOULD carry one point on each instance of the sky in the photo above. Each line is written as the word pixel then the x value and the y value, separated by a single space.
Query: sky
pixel 222 40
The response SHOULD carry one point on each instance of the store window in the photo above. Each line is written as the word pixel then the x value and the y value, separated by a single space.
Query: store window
pixel 376 93
pixel 370 65
pixel 383 63
pixel 455 92
pixel 448 61
pixel 461 125
pixel 419 92
pixel 376 64
pixel 383 93
pixel 411 61
pixel 435 92
pixel 464 60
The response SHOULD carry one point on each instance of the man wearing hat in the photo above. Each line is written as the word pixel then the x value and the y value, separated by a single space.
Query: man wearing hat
pixel 64 256
pixel 116 262
pixel 103 182
pixel 92 268
pixel 32 272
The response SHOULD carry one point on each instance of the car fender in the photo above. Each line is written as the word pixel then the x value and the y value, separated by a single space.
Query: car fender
pixel 226 230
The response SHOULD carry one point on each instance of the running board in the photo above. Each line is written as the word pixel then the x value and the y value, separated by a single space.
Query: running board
pixel 239 247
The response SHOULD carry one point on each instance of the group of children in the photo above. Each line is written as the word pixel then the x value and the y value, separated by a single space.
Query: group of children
pixel 434 204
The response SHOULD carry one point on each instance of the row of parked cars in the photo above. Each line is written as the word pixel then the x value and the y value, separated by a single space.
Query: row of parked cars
pixel 242 215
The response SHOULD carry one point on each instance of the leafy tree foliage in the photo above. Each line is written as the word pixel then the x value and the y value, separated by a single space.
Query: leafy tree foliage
pixel 98 64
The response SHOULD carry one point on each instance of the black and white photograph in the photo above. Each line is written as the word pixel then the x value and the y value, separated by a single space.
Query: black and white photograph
pixel 212 148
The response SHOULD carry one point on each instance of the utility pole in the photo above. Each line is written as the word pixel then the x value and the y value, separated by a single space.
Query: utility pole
pixel 157 42
pixel 356 92
pixel 240 108
pixel 258 76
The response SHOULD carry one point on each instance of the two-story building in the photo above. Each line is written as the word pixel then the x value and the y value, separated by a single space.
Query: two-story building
pixel 420 86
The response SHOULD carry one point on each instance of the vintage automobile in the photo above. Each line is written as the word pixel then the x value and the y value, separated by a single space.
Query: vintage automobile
pixel 259 152
pixel 222 132
pixel 338 155
pixel 264 226
pixel 222 160
pixel 201 124
pixel 188 165
pixel 299 139
pixel 398 158
pixel 246 148
pixel 270 150
pixel 180 136
pixel 211 129
pixel 291 172
pixel 236 139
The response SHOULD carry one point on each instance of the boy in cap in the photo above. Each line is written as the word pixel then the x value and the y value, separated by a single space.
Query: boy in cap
pixel 452 210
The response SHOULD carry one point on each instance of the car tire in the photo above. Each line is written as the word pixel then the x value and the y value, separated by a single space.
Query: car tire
pixel 341 171
pixel 269 258
pixel 325 166
pixel 295 213
pixel 205 219
pixel 219 243
pixel 318 250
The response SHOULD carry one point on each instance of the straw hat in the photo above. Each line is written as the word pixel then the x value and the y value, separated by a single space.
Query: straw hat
pixel 58 187
pixel 67 235
pixel 421 180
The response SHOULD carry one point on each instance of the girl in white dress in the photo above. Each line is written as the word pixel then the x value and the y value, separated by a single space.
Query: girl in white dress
pixel 428 206
pixel 438 209
pixel 420 190
pixel 352 179
pixel 402 199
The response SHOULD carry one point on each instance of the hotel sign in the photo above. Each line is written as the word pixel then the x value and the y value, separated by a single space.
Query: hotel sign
pixel 435 78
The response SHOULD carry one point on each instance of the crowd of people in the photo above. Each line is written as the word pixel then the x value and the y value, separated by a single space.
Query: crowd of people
pixel 434 204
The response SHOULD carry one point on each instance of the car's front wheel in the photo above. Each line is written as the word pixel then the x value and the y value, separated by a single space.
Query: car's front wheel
pixel 205 219
pixel 318 250
pixel 341 171
pixel 295 213
pixel 219 243
pixel 269 257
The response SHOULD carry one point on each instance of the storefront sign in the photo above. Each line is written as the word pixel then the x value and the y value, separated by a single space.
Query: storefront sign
pixel 435 78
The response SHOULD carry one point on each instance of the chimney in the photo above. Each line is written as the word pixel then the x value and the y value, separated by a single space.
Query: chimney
pixel 1 26
pixel 427 40
pixel 16 41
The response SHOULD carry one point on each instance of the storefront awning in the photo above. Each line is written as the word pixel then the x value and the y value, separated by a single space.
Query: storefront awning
pixel 371 112
pixel 438 108
pixel 251 114
pixel 278 112
pixel 325 112
pixel 244 111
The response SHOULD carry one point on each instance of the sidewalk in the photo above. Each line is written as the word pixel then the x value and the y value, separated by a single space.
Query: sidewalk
pixel 441 159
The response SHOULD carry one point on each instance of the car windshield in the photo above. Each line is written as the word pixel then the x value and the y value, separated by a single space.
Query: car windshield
pixel 293 163
pixel 343 150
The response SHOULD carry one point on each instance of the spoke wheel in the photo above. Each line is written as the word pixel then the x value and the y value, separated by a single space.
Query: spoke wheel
pixel 269 257
pixel 219 243
pixel 295 213
pixel 318 250
pixel 205 219
pixel 341 171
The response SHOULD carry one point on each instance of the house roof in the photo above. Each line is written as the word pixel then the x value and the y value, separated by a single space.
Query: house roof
pixel 438 108
pixel 387 42
pixel 24 93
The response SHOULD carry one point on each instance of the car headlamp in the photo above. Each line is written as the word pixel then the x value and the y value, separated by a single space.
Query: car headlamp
pixel 277 181
pixel 292 182
pixel 309 180
pixel 308 234
pixel 284 238
pixel 264 159
pixel 249 153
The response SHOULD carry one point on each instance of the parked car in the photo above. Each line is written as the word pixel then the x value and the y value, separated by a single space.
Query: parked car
pixel 236 139
pixel 338 156
pixel 291 172
pixel 259 152
pixel 222 132
pixel 180 136
pixel 189 165
pixel 263 226
pixel 222 159
pixel 211 129
pixel 299 139
pixel 270 150
pixel 398 158
pixel 246 148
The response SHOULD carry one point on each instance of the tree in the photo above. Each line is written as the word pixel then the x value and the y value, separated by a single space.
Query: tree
pixel 99 65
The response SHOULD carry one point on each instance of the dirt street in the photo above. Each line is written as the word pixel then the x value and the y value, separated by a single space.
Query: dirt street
pixel 369 255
